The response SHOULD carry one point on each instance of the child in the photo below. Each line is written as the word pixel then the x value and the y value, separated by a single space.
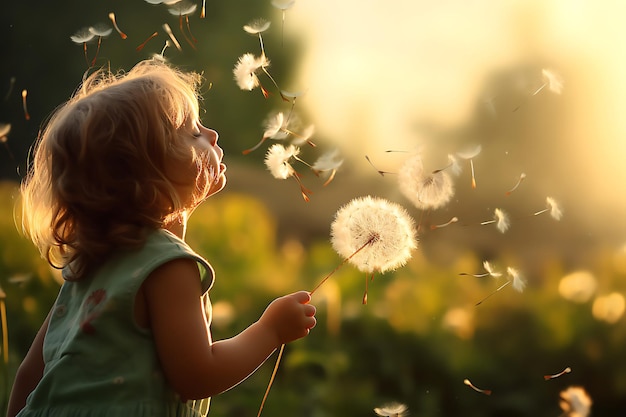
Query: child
pixel 115 175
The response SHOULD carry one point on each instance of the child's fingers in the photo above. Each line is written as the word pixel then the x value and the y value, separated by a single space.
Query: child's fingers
pixel 309 310
pixel 303 297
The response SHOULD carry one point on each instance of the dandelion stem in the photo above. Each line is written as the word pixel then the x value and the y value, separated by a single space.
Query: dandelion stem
pixel 112 17
pixel 369 242
pixel 25 94
pixel 473 176
pixel 269 385
pixel 563 372
pixel 143 44
pixel 475 388
pixel 5 332
pixel 382 173
pixel 498 289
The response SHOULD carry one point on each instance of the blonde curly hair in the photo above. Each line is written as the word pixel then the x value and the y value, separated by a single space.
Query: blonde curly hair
pixel 99 179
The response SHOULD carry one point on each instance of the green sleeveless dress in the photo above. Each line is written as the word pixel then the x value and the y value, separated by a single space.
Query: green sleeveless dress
pixel 98 361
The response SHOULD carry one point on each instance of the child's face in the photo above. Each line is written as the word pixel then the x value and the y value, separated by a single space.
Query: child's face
pixel 202 142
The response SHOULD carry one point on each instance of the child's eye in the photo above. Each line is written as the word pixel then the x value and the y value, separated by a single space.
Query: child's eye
pixel 197 134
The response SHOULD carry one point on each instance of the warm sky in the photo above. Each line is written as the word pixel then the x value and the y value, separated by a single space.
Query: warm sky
pixel 376 69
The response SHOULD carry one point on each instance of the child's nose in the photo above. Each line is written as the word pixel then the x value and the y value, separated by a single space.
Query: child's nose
pixel 213 136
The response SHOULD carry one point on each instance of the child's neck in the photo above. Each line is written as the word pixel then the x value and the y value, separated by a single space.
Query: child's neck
pixel 178 225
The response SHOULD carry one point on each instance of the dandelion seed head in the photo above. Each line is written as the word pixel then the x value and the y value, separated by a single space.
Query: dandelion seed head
pixel 183 8
pixel 424 189
pixel 277 160
pixel 393 409
pixel 100 30
pixel 555 209
pixel 554 80
pixel 304 136
pixel 328 161
pixel 519 283
pixel 490 269
pixel 388 226
pixel 470 152
pixel 502 220
pixel 257 26
pixel 83 35
pixel 575 402
pixel 246 68
pixel 274 126
pixel 291 94
pixel 455 166
pixel 282 4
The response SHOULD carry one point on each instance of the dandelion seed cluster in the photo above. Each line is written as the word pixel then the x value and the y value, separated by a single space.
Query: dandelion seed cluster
pixel 387 225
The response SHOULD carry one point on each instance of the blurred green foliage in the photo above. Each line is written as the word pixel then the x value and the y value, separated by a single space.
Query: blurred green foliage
pixel 404 345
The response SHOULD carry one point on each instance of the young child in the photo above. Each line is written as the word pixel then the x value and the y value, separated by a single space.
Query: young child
pixel 116 173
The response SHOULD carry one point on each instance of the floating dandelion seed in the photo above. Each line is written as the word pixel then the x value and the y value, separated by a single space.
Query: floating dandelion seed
pixel 112 17
pixel 392 410
pixel 245 71
pixel 304 136
pixel 184 9
pixel 563 372
pixel 374 235
pixel 101 31
pixel 328 162
pixel 160 56
pixel 283 6
pixel 490 271
pixel 426 190
pixel 501 219
pixel 521 178
pixel 256 27
pixel 382 173
pixel 448 223
pixel 575 402
pixel 24 105
pixel 10 90
pixel 274 129
pixel 83 36
pixel 169 32
pixel 470 154
pixel 552 80
pixel 143 44
pixel 277 161
pixel 519 283
pixel 553 207
pixel 472 386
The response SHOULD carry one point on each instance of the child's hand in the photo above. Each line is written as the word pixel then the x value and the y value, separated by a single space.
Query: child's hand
pixel 290 317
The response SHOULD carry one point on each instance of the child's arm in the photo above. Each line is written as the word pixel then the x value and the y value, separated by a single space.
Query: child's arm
pixel 29 373
pixel 195 366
